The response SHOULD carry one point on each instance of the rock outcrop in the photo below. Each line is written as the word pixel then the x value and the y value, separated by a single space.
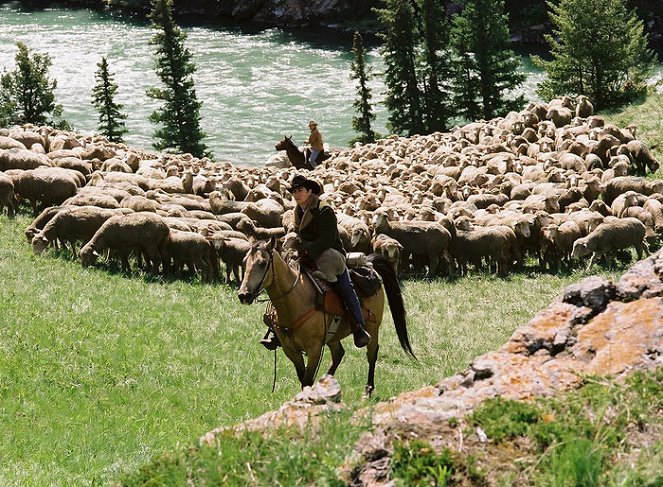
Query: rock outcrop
pixel 595 328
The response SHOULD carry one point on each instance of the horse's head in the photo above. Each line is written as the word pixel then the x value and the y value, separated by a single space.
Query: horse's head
pixel 257 263
pixel 285 143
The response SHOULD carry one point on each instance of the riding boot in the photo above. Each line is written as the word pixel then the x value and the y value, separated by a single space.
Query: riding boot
pixel 349 297
pixel 270 342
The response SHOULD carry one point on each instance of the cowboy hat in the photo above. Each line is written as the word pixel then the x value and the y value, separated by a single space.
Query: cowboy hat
pixel 300 181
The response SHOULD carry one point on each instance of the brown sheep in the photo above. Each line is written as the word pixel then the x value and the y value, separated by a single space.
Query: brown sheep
pixel 46 186
pixel 232 252
pixel 7 196
pixel 611 235
pixel 144 232
pixel 389 247
pixel 194 250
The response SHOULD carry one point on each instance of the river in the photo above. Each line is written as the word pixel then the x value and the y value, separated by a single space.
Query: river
pixel 256 84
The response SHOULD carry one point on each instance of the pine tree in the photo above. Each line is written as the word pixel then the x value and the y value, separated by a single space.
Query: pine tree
pixel 598 49
pixel 27 95
pixel 404 98
pixel 436 73
pixel 485 70
pixel 110 117
pixel 361 72
pixel 180 114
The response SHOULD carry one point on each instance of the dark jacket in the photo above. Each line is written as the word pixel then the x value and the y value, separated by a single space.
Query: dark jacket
pixel 318 232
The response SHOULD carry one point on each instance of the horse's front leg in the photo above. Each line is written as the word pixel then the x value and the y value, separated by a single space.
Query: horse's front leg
pixel 337 353
pixel 296 358
pixel 312 362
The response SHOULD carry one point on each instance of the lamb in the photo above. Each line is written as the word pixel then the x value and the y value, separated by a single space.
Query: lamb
pixel 250 229
pixel 71 225
pixel 232 252
pixel 7 196
pixel 612 234
pixel 194 250
pixel 145 232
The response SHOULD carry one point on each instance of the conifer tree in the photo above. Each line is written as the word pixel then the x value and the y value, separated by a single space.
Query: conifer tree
pixel 27 95
pixel 361 72
pixel 111 118
pixel 598 49
pixel 180 113
pixel 436 73
pixel 404 98
pixel 485 70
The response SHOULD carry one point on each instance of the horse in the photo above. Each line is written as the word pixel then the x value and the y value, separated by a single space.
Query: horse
pixel 298 158
pixel 302 328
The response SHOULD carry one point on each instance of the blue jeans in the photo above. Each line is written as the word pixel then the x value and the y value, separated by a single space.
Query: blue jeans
pixel 313 157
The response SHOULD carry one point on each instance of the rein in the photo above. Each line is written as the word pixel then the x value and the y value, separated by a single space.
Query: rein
pixel 271 264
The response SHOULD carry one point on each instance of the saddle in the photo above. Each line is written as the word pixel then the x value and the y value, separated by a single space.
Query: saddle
pixel 365 280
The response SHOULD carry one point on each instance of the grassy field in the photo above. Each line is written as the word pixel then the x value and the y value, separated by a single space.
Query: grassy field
pixel 100 373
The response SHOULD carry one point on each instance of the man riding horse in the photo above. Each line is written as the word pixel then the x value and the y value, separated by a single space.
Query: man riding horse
pixel 315 142
pixel 315 223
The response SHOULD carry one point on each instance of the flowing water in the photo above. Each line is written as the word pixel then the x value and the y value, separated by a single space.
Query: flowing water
pixel 256 84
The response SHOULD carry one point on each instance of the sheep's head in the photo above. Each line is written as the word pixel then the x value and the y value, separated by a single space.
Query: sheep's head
pixel 550 232
pixel 580 249
pixel 88 256
pixel 39 243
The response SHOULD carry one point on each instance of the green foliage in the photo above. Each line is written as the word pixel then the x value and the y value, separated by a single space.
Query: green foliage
pixel 404 98
pixel 361 72
pixel 503 419
pixel 416 463
pixel 27 94
pixel 598 49
pixel 110 116
pixel 484 69
pixel 180 113
pixel 285 457
pixel 435 69
pixel 578 462
pixel 417 73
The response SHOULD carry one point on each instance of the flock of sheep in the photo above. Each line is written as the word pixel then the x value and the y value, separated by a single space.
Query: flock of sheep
pixel 552 182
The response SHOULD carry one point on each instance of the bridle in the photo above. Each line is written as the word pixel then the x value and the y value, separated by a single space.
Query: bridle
pixel 259 288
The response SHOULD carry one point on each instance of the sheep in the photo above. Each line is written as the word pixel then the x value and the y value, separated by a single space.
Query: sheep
pixel 611 235
pixel 92 196
pixel 389 247
pixel 220 205
pixel 584 107
pixel 191 249
pixel 626 200
pixel 10 143
pixel 45 186
pixel 419 239
pixel 22 159
pixel 232 252
pixel 557 243
pixel 642 157
pixel 249 228
pixel 360 233
pixel 7 196
pixel 71 225
pixel 143 231
pixel 139 203
pixel 471 244
pixel 620 185
pixel 42 220
pixel 266 213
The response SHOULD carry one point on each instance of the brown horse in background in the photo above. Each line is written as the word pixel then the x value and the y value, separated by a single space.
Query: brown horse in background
pixel 298 158
pixel 302 327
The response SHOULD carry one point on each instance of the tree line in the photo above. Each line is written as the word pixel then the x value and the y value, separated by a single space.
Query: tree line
pixel 442 67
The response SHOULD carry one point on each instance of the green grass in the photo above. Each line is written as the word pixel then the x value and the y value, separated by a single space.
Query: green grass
pixel 99 373
pixel 603 434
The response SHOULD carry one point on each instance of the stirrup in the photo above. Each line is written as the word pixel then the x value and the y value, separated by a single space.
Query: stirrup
pixel 271 342
pixel 361 337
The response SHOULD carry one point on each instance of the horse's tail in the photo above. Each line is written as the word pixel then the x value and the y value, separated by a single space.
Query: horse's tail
pixel 394 298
